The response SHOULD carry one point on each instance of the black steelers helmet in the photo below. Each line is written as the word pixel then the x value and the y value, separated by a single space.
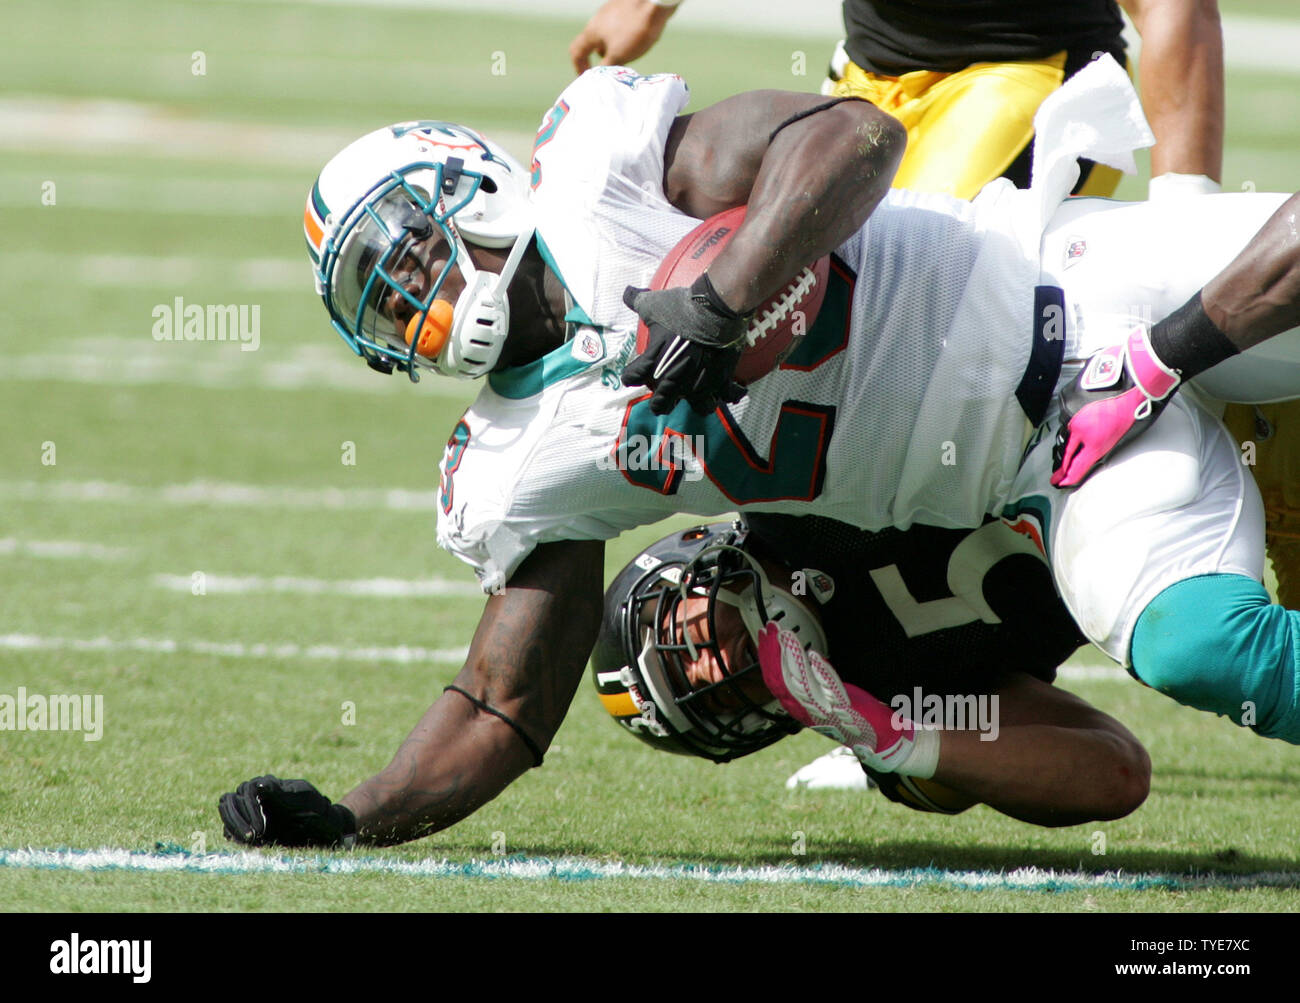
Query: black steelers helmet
pixel 640 658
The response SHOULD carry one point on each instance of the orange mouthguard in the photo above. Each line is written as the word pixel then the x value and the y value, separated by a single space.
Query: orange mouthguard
pixel 433 335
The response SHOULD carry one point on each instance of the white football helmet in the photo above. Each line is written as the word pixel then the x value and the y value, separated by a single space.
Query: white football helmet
pixel 387 191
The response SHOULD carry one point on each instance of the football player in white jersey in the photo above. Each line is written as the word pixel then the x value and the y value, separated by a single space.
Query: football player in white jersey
pixel 946 328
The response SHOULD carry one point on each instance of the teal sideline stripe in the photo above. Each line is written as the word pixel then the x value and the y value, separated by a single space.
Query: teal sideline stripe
pixel 172 859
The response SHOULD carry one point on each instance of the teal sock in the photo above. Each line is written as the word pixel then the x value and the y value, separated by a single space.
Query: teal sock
pixel 1216 643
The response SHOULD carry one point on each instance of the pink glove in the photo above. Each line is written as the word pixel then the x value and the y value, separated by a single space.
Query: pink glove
pixel 815 696
pixel 1120 392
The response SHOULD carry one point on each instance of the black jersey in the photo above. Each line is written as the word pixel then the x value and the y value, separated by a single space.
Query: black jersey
pixel 890 645
pixel 893 37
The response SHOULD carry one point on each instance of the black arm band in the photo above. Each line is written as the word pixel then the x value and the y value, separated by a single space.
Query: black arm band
pixel 1187 340
pixel 523 735
pixel 806 112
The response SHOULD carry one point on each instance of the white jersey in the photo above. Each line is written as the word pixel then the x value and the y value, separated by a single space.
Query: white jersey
pixel 897 406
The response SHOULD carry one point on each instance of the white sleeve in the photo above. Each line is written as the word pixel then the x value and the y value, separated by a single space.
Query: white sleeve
pixel 493 550
pixel 598 167
pixel 609 124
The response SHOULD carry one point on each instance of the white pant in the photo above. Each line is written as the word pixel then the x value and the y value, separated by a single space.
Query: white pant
pixel 1175 503
pixel 1121 262
pixel 1178 501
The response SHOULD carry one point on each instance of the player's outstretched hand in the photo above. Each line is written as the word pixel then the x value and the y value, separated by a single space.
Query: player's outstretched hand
pixel 620 31
pixel 695 342
pixel 1120 392
pixel 268 810
pixel 811 691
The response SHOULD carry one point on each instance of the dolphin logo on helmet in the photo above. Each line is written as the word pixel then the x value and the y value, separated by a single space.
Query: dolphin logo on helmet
pixel 392 188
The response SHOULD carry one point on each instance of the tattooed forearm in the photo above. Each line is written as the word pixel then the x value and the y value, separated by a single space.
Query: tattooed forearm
pixel 522 680
pixel 395 805
pixel 525 661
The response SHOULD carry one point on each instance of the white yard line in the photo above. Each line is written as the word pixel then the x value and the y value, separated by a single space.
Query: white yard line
pixel 159 272
pixel 755 17
pixel 89 126
pixel 98 126
pixel 564 869
pixel 141 361
pixel 60 549
pixel 401 654
pixel 1261 44
pixel 386 588
pixel 222 494
pixel 1250 43
pixel 119 187
pixel 95 126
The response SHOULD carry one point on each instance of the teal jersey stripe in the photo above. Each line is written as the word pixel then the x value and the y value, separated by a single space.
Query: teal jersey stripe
pixel 576 315
pixel 519 382
pixel 1040 509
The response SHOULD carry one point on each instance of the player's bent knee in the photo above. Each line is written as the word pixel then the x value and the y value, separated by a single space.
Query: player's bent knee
pixel 1216 643
pixel 1129 781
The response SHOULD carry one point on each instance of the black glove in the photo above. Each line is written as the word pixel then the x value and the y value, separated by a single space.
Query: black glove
pixel 695 343
pixel 285 812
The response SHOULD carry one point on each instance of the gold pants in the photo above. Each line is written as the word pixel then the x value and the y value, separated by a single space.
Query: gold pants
pixel 1277 471
pixel 965 128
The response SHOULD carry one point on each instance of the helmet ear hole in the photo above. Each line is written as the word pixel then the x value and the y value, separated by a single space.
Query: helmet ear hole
pixel 478 333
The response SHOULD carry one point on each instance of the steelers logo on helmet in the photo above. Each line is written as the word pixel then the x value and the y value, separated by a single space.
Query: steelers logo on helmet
pixel 695 598
pixel 373 219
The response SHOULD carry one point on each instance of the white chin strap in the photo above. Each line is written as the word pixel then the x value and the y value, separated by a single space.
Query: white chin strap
pixel 481 317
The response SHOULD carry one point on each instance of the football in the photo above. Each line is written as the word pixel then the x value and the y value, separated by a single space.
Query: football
pixel 776 325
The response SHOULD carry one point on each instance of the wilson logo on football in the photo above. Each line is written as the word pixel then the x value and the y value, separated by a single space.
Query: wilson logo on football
pixel 710 240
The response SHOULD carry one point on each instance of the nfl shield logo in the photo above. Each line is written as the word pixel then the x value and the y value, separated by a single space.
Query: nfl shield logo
pixel 1074 250
pixel 588 346
pixel 1104 369
pixel 820 583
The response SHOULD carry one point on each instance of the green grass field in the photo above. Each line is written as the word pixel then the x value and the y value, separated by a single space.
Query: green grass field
pixel 128 465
